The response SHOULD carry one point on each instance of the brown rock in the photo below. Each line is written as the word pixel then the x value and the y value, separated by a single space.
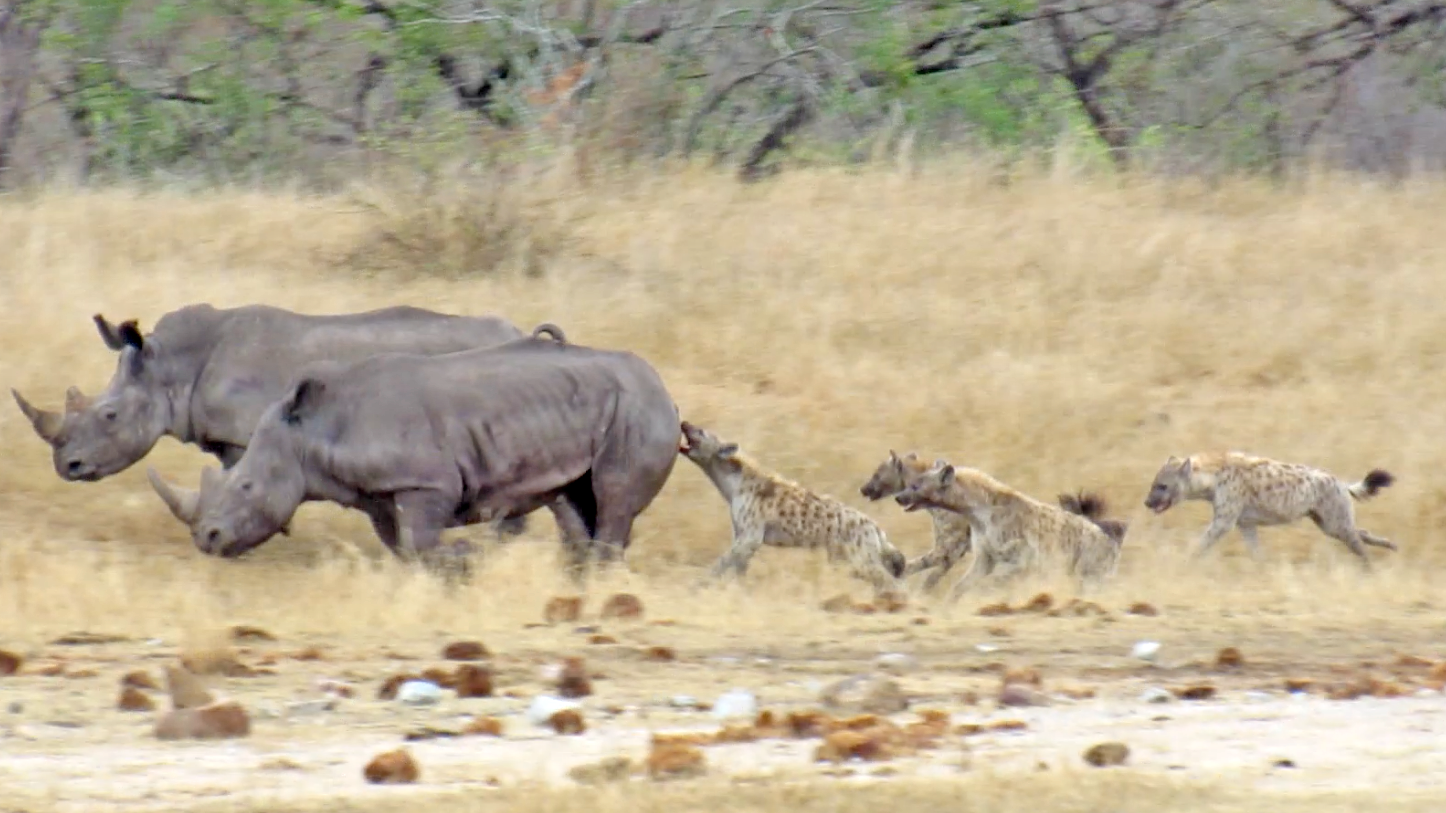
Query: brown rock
pixel 483 726
pixel 808 724
pixel 675 761
pixel 186 689
pixel 1200 691
pixel 841 746
pixel 216 661
pixel 1077 692
pixel 140 679
pixel 562 609
pixel 737 733
pixel 51 670
pixel 1229 658
pixel 1106 754
pixel 133 699
pixel 1008 725
pixel 81 674
pixel 1438 672
pixel 567 721
pixel 622 605
pixel 1001 608
pixel 600 640
pixel 472 680
pixel 396 767
pixel 1077 608
pixel 1405 661
pixel 1039 604
pixel 389 687
pixel 245 632
pixel 840 603
pixel 1026 676
pixel 310 653
pixel 891 602
pixel 224 720
pixel 441 677
pixel 464 651
pixel 574 680
pixel 1298 684
pixel 867 694
pixel 1142 608
pixel 659 653
pixel 1018 694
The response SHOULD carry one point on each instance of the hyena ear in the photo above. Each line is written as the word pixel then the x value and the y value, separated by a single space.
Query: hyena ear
pixel 946 475
pixel 727 450
pixel 1186 467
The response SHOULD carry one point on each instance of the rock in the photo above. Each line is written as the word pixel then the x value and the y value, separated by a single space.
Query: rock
pixel 396 767
pixel 1041 603
pixel 1025 676
pixel 1229 658
pixel 419 693
pixel 133 699
pixel 472 681
pixel 735 703
pixel 140 679
pixel 302 708
pixel 336 688
pixel 464 651
pixel 310 653
pixel 217 661
pixel 1146 651
pixel 1001 608
pixel 622 605
pixel 1019 694
pixel 675 761
pixel 986 648
pixel 866 694
pixel 389 687
pixel 9 663
pixel 573 680
pixel 544 706
pixel 1106 754
pixel 841 746
pixel 661 654
pixel 562 609
pixel 245 632
pixel 683 701
pixel 1200 691
pixel 439 676
pixel 611 769
pixel 1142 608
pixel 567 721
pixel 599 640
pixel 89 639
pixel 224 720
pixel 1298 685
pixel 896 663
pixel 186 689
pixel 483 726
pixel 1155 694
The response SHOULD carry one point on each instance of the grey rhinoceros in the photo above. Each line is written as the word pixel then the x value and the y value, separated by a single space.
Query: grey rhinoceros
pixel 204 375
pixel 425 443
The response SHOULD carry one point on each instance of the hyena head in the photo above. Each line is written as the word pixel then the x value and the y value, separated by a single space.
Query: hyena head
pixel 927 489
pixel 1171 485
pixel 705 448
pixel 893 475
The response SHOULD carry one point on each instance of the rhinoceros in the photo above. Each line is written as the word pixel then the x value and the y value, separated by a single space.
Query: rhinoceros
pixel 204 375
pixel 425 443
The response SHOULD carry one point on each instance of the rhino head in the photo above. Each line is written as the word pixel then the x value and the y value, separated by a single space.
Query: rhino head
pixel 98 437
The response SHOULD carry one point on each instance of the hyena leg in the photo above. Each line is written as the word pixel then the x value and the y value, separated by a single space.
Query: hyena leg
pixel 1220 524
pixel 746 542
pixel 1337 524
pixel 980 568
pixel 1377 541
pixel 1252 540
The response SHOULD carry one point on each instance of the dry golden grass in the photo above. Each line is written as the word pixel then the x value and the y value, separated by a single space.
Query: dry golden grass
pixel 1058 332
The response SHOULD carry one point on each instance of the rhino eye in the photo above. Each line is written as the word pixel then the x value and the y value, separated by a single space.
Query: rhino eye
pixel 246 486
pixel 109 414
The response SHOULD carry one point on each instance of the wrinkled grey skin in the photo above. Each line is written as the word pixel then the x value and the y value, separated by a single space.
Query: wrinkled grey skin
pixel 205 375
pixel 422 444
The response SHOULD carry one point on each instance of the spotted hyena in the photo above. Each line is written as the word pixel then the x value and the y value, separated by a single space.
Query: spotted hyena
pixel 951 530
pixel 1248 492
pixel 1014 533
pixel 770 510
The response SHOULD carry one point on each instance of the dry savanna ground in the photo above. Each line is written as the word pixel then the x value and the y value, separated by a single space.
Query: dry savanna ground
pixel 1057 331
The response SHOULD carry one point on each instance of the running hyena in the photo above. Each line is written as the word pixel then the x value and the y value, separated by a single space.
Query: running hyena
pixel 770 510
pixel 1248 492
pixel 951 530
pixel 1012 531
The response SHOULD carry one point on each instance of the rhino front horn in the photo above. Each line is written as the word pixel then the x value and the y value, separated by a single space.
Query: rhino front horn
pixel 47 424
pixel 181 501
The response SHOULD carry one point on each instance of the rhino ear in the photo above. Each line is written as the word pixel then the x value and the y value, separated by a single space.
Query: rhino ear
pixel 130 334
pixel 108 332
pixel 303 400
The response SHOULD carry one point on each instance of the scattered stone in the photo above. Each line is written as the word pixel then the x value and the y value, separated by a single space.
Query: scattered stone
pixel 1077 608
pixel 472 681
pixel 573 681
pixel 896 663
pixel 599 640
pixel 140 679
pixel 429 733
pixel 611 769
pixel 310 653
pixel 622 605
pixel 302 708
pixel 246 632
pixel 841 746
pixel 840 603
pixel 1019 694
pixel 218 661
pixel 1142 608
pixel 1106 754
pixel 562 609
pixel 419 693
pixel 867 694
pixel 336 688
pixel 223 720
pixel 1294 685
pixel 662 654
pixel 186 689
pixel 52 670
pixel 9 663
pixel 567 721
pixel 1229 658
pixel 389 687
pixel 464 651
pixel 1001 608
pixel 683 701
pixel 483 726
pixel 675 761
pixel 890 602
pixel 133 699
pixel 735 703
pixel 921 621
pixel 999 632
pixel 281 764
pixel 1027 676
pixel 1146 651
pixel 1155 694
pixel 1041 603
pixel 439 676
pixel 986 648
pixel 89 639
pixel 544 706
pixel 81 674
pixel 1366 687
pixel 1077 692
pixel 396 767
pixel 1200 691
pixel 1283 763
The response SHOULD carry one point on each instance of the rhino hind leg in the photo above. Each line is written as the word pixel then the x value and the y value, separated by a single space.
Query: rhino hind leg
pixel 508 527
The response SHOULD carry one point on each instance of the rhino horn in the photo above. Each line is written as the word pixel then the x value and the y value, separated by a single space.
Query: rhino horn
pixel 47 424
pixel 75 400
pixel 210 478
pixel 182 501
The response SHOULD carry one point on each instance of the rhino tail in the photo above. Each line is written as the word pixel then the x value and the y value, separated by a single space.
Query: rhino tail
pixel 550 330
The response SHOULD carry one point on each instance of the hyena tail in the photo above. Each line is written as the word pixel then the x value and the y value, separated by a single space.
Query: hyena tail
pixel 894 561
pixel 1087 504
pixel 1375 480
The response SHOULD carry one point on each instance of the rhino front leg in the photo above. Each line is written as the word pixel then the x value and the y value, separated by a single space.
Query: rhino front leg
pixel 420 518
pixel 575 538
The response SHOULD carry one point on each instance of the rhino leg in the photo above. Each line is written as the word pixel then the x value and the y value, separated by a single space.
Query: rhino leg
pixel 510 526
pixel 576 540
pixel 384 523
